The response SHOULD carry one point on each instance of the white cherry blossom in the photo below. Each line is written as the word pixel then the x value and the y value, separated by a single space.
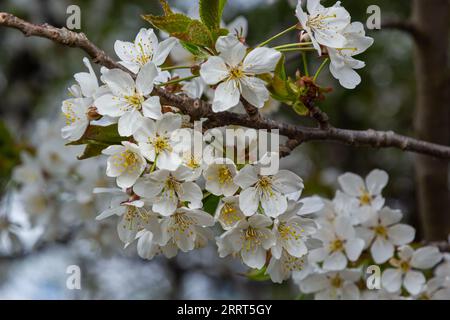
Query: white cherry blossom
pixel 323 25
pixel 158 143
pixel 340 244
pixel 281 269
pixel 184 227
pixel 383 231
pixel 406 271
pixel 146 48
pixel 269 191
pixel 167 188
pixel 125 163
pixel 219 177
pixel 333 285
pixel 236 72
pixel 251 238
pixel 228 212
pixel 342 62
pixel 367 193
pixel 128 99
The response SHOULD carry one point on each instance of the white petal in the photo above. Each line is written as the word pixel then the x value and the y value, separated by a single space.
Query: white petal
pixel 129 123
pixel 426 257
pixel 414 281
pixel 145 78
pixel 119 82
pixel 110 105
pixel 191 192
pixel 168 123
pixel 226 96
pixel 314 283
pixel 382 250
pixel 389 217
pixel 261 60
pixel 231 49
pixel 126 180
pixel 126 51
pixel 163 50
pixel 249 201
pixel 214 70
pixel 353 248
pixel 273 204
pixel 376 181
pixel 254 258
pixel 391 280
pixel 351 184
pixel 246 177
pixel 287 182
pixel 254 91
pixel 401 234
pixel 151 108
pixel 335 261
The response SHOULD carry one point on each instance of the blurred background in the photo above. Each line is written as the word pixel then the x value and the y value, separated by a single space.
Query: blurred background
pixel 34 76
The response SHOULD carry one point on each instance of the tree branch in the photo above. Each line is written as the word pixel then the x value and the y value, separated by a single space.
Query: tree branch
pixel 198 109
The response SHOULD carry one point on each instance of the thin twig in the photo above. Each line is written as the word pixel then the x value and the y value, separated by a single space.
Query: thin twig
pixel 198 109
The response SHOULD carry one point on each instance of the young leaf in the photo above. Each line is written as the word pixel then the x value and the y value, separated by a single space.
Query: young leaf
pixel 211 13
pixel 106 135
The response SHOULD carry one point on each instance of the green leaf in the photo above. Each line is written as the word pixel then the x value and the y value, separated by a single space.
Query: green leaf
pixel 182 27
pixel 210 204
pixel 211 13
pixel 195 50
pixel 97 138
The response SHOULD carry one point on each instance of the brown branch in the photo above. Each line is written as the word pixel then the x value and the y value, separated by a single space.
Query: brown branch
pixel 251 110
pixel 197 108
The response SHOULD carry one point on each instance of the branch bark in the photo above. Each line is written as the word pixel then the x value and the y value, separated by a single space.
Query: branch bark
pixel 432 118
pixel 198 109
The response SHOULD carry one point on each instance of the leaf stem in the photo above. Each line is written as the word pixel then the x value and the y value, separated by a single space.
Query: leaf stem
pixel 282 33
pixel 296 49
pixel 324 63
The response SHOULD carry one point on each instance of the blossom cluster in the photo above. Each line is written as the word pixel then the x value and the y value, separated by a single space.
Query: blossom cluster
pixel 169 199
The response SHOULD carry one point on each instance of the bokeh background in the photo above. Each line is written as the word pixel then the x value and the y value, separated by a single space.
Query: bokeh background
pixel 34 76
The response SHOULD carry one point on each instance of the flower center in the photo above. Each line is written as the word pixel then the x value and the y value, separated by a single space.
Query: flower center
pixel 182 222
pixel 264 184
pixel 337 245
pixel 252 239
pixel 126 161
pixel 135 101
pixel 229 214
pixel 317 22
pixel 236 72
pixel 381 231
pixel 288 232
pixel 336 281
pixel 143 57
pixel 191 162
pixel 365 199
pixel 70 115
pixel 172 186
pixel 160 144
pixel 225 175
pixel 292 263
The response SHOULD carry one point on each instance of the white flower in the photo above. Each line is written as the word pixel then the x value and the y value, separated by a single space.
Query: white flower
pixel 366 193
pixel 125 163
pixel 166 188
pixel 342 62
pixel 333 285
pixel 184 227
pixel 219 177
pixel 76 113
pixel 157 141
pixel 292 232
pixel 251 237
pixel 268 190
pixel 387 232
pixel 282 268
pixel 405 273
pixel 87 83
pixel 437 288
pixel 339 244
pixel 29 171
pixel 145 48
pixel 228 212
pixel 235 72
pixel 323 25
pixel 127 99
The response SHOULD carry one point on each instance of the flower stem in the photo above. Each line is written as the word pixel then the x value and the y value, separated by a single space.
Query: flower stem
pixel 152 168
pixel 175 68
pixel 321 68
pixel 305 64
pixel 296 49
pixel 177 80
pixel 282 33
pixel 292 45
